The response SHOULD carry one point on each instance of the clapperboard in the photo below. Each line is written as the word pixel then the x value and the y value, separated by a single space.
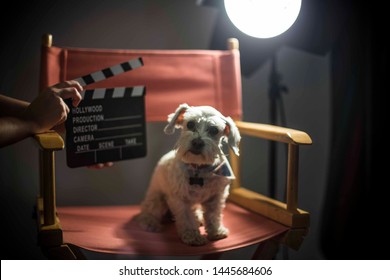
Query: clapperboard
pixel 109 123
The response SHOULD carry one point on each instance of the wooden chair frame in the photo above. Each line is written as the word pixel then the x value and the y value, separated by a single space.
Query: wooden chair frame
pixel 288 214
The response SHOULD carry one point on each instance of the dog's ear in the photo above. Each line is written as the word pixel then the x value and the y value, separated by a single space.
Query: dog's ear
pixel 232 134
pixel 175 120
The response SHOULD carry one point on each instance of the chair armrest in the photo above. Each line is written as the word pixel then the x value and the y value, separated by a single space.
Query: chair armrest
pixel 286 213
pixel 50 140
pixel 275 133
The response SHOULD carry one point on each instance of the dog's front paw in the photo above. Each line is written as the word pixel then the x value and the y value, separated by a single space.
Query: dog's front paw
pixel 193 237
pixel 148 222
pixel 218 233
pixel 199 216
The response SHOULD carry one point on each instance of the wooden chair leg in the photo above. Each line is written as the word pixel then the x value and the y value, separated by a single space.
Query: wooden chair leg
pixel 266 250
pixel 64 252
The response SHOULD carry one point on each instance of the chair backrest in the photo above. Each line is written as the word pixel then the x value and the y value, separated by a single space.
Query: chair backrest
pixel 171 77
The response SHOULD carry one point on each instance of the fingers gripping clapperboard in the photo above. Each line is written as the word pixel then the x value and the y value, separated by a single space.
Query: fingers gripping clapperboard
pixel 109 123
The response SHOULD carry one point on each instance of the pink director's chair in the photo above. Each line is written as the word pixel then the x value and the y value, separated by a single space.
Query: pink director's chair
pixel 171 77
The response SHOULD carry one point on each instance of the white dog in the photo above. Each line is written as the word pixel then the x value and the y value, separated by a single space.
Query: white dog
pixel 192 181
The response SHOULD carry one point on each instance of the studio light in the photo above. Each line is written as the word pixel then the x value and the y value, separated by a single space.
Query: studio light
pixel 263 18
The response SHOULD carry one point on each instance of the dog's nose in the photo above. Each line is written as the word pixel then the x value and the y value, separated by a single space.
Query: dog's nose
pixel 197 145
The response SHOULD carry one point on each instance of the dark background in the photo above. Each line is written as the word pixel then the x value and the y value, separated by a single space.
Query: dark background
pixel 332 63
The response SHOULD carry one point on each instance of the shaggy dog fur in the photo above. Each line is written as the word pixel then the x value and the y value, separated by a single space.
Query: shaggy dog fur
pixel 192 181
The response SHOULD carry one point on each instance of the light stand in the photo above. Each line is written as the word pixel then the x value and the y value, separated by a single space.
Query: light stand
pixel 276 89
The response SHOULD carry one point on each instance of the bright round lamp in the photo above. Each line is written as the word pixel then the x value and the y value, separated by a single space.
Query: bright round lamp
pixel 263 18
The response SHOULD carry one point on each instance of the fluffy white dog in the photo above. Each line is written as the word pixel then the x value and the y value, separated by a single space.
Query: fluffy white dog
pixel 192 181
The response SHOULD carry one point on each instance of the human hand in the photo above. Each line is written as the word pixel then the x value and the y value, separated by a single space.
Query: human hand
pixel 49 108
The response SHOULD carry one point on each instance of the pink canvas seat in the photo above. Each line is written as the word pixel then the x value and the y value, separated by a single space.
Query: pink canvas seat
pixel 171 77
pixel 112 229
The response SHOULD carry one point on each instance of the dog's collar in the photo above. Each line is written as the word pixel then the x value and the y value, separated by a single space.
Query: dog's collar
pixel 199 172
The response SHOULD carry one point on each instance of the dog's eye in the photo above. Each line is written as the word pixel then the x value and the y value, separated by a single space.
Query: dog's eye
pixel 191 125
pixel 213 130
